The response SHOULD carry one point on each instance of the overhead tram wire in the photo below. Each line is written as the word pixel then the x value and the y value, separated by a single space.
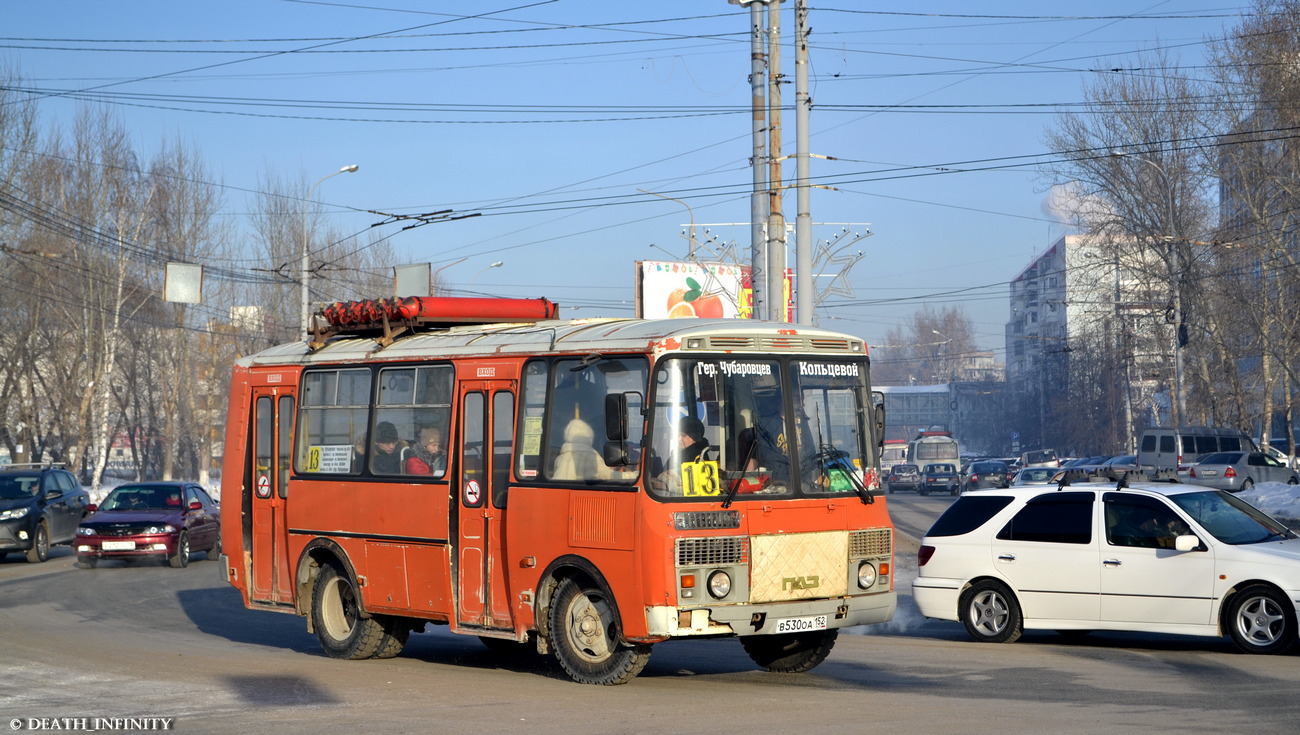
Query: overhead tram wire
pixel 162 75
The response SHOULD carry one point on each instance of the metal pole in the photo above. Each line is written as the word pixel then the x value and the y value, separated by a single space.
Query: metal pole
pixel 304 268
pixel 775 191
pixel 757 204
pixel 803 217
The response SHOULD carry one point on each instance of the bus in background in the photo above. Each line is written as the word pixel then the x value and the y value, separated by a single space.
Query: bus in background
pixel 934 446
pixel 893 452
pixel 587 487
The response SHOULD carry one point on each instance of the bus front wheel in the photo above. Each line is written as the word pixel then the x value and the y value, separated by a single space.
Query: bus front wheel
pixel 336 618
pixel 584 636
pixel 790 653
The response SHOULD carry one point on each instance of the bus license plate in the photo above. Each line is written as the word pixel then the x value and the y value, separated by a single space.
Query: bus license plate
pixel 799 625
pixel 118 546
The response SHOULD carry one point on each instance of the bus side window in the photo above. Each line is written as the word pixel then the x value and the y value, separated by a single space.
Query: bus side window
pixel 503 422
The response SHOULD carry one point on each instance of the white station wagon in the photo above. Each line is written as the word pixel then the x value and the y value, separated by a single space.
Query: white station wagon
pixel 1154 557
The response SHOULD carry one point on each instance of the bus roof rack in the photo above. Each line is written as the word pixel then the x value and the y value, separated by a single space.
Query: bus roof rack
pixel 386 319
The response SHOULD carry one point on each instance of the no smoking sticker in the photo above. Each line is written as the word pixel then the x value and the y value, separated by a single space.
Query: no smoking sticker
pixel 472 493
pixel 263 486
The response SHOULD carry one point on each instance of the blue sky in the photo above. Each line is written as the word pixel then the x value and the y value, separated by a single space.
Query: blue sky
pixel 546 118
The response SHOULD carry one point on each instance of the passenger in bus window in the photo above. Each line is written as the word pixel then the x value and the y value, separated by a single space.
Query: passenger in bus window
pixel 385 457
pixel 578 458
pixel 427 456
pixel 691 446
pixel 692 439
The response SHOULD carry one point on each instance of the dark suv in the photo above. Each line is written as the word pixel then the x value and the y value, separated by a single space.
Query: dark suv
pixel 39 506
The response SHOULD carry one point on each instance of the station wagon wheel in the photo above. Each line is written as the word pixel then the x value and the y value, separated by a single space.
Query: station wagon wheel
pixel 337 618
pixel 1247 484
pixel 40 550
pixel 584 635
pixel 790 653
pixel 1261 620
pixel 990 612
pixel 181 558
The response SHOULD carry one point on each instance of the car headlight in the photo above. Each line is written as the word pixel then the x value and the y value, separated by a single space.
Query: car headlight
pixel 719 584
pixel 866 574
pixel 168 528
pixel 9 515
pixel 84 531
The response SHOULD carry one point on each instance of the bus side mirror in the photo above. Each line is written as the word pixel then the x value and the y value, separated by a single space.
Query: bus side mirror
pixel 878 416
pixel 616 454
pixel 616 414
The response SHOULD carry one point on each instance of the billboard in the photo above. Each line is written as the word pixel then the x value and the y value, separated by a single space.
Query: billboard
pixel 666 289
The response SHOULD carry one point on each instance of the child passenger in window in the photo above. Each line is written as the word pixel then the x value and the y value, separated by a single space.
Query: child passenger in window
pixel 428 457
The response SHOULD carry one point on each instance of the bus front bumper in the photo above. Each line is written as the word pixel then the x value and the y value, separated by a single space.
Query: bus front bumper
pixel 771 618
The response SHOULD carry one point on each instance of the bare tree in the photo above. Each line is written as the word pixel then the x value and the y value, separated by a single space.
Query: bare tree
pixel 1134 156
pixel 931 348
pixel 1259 167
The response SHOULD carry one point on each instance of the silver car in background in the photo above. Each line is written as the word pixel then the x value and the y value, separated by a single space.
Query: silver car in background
pixel 1238 471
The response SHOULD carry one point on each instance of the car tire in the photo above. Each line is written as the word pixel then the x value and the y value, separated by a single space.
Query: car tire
pixel 1247 484
pixel 990 612
pixel 336 618
pixel 1261 620
pixel 40 550
pixel 1293 481
pixel 585 639
pixel 181 558
pixel 396 631
pixel 790 653
pixel 215 552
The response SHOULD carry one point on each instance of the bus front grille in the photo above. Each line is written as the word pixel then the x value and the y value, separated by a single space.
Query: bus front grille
pixel 872 542
pixel 712 551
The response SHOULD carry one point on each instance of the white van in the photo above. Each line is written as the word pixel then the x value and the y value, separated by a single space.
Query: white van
pixel 1040 458
pixel 1166 450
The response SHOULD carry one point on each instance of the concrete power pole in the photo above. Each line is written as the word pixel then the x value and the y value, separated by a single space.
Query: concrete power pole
pixel 775 190
pixel 803 263
pixel 757 161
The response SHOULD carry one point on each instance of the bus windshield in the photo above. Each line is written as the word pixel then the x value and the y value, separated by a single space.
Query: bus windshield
pixel 757 428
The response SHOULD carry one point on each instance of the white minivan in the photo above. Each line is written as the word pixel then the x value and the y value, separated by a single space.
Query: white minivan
pixel 1040 458
pixel 1166 450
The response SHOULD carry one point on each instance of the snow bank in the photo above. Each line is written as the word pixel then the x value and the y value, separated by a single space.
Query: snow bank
pixel 1276 499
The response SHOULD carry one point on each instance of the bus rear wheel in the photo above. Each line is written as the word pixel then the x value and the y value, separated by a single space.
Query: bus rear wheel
pixel 336 618
pixel 790 653
pixel 584 635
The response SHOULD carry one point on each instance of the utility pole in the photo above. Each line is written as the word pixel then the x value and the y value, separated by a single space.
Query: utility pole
pixel 775 190
pixel 757 204
pixel 803 259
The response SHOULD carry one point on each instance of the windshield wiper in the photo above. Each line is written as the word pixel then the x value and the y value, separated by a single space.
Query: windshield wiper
pixel 832 458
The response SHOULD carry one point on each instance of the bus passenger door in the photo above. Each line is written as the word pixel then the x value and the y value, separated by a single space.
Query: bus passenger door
pixel 272 425
pixel 487 434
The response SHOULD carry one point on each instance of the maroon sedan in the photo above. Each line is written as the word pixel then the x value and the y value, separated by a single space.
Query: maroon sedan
pixel 163 520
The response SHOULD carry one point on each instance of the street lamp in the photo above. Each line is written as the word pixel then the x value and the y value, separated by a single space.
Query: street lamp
pixel 305 269
pixel 690 239
pixel 1175 285
pixel 433 279
pixel 495 264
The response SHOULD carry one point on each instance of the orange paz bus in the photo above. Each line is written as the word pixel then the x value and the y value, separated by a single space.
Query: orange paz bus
pixel 590 487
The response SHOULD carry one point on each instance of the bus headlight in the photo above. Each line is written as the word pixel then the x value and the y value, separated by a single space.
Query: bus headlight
pixel 719 584
pixel 866 574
